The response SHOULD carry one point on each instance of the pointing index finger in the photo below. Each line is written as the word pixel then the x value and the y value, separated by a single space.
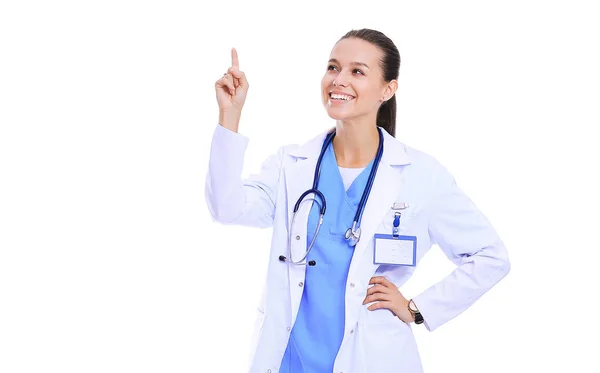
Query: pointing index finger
pixel 235 63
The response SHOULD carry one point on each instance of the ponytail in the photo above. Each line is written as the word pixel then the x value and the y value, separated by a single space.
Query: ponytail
pixel 386 116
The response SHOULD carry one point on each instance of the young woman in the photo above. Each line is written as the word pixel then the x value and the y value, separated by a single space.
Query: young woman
pixel 353 211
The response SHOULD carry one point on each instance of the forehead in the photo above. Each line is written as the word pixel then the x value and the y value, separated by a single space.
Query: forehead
pixel 356 50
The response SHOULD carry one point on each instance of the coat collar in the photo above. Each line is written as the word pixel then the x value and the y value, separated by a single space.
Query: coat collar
pixel 394 152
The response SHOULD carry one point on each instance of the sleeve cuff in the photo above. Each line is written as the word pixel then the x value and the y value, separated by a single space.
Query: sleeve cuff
pixel 229 135
pixel 425 310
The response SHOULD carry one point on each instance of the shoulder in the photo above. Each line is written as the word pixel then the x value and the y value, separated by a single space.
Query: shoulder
pixel 426 170
pixel 417 159
pixel 423 160
pixel 308 149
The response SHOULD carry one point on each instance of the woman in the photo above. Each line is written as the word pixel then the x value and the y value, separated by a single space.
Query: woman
pixel 331 301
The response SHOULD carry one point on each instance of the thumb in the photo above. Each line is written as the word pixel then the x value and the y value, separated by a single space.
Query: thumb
pixel 239 75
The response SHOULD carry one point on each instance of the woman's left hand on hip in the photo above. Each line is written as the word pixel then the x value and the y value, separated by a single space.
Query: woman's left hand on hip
pixel 386 295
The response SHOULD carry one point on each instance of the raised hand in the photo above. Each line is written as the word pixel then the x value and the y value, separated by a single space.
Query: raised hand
pixel 231 91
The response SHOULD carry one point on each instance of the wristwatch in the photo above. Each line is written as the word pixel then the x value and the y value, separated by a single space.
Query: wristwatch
pixel 412 307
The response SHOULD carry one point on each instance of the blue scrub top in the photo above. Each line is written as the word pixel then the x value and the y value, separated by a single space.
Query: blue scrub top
pixel 319 328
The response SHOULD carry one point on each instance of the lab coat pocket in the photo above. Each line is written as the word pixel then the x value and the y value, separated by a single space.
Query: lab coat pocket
pixel 388 347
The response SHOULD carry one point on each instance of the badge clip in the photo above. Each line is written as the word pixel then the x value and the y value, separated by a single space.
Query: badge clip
pixel 396 224
pixel 399 205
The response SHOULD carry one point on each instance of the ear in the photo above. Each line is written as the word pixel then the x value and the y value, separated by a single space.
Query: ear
pixel 390 90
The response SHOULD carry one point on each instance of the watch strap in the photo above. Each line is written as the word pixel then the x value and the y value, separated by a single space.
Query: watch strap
pixel 415 311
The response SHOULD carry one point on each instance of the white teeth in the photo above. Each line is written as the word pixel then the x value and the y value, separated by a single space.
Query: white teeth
pixel 340 97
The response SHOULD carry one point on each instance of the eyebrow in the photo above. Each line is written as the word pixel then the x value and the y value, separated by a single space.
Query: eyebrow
pixel 351 63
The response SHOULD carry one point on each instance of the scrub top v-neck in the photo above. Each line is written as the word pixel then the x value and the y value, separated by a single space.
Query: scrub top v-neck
pixel 319 328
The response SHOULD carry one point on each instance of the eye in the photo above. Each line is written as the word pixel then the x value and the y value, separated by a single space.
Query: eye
pixel 331 67
pixel 358 71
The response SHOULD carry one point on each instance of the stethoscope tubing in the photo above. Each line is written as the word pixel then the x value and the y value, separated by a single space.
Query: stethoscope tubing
pixel 353 234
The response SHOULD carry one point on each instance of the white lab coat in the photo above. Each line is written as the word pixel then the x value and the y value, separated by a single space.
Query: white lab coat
pixel 438 213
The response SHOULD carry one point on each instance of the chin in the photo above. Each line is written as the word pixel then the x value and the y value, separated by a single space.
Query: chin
pixel 336 114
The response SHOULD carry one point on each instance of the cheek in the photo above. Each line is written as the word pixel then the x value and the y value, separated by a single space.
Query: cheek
pixel 369 94
pixel 325 84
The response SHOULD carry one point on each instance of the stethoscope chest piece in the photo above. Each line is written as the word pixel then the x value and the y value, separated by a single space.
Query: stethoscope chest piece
pixel 353 236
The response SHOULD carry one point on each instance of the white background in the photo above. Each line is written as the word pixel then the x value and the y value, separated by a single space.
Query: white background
pixel 109 259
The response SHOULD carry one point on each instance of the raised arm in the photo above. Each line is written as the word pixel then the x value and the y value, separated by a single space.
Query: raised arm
pixel 230 199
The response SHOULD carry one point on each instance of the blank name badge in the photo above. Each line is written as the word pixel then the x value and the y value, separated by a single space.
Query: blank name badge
pixel 395 250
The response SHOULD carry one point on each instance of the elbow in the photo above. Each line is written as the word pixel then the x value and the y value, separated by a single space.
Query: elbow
pixel 217 215
pixel 495 264
pixel 220 211
pixel 504 261
pixel 501 264
pixel 505 266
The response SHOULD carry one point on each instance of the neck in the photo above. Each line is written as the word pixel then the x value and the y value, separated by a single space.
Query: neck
pixel 355 144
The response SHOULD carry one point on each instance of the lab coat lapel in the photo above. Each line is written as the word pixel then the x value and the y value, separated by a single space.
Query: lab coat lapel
pixel 388 186
pixel 298 179
pixel 383 195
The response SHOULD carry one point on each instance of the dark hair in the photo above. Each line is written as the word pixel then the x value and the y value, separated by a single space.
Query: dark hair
pixel 390 64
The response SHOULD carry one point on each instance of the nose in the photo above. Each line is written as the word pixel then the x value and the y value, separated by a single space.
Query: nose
pixel 337 83
pixel 340 80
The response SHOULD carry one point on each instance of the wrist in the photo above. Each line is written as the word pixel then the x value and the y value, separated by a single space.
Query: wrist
pixel 229 120
pixel 411 317
pixel 414 311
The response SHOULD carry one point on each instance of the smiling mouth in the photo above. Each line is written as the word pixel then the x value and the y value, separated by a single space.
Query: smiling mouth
pixel 338 97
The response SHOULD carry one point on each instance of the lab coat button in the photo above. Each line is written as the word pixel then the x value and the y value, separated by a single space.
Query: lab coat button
pixel 352 285
pixel 297 238
pixel 268 370
pixel 300 284
pixel 351 331
pixel 288 328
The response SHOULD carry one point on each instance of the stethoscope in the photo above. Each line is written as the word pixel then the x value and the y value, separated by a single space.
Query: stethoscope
pixel 352 234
